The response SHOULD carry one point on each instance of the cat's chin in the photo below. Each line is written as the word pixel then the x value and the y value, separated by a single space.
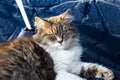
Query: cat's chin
pixel 58 46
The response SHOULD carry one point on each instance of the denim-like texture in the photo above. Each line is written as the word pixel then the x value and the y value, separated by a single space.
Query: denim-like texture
pixel 98 23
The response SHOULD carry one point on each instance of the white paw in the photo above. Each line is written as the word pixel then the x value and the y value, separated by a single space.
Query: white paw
pixel 105 73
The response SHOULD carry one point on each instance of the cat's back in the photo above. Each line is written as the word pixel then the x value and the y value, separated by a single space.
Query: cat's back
pixel 8 47
pixel 13 43
pixel 23 59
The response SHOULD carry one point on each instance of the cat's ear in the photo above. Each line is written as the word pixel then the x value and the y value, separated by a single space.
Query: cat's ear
pixel 67 12
pixel 39 22
pixel 67 16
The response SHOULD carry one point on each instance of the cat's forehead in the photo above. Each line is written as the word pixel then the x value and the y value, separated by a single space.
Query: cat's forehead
pixel 56 19
pixel 56 23
pixel 52 28
pixel 56 26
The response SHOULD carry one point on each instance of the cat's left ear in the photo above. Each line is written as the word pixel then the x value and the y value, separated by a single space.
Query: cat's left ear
pixel 39 22
pixel 67 16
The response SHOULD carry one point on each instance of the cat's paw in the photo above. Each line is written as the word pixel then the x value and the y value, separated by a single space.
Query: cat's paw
pixel 105 73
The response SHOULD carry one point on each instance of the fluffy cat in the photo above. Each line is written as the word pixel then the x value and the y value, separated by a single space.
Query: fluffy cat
pixel 60 38
pixel 23 59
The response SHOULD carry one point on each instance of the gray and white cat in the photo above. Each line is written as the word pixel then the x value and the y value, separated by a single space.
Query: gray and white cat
pixel 60 38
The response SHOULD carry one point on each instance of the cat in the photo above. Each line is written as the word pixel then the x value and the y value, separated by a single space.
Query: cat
pixel 23 59
pixel 60 38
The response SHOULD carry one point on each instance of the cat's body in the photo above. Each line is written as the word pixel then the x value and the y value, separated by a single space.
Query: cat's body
pixel 23 59
pixel 60 38
pixel 27 58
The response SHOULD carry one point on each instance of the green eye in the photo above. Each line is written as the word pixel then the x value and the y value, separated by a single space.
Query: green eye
pixel 64 32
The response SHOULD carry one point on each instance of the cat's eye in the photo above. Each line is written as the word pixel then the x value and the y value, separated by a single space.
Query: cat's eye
pixel 64 32
pixel 52 35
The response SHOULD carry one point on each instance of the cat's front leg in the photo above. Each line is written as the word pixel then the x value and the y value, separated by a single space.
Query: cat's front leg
pixel 64 75
pixel 95 70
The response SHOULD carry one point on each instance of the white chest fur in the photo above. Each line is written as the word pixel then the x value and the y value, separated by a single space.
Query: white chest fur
pixel 63 59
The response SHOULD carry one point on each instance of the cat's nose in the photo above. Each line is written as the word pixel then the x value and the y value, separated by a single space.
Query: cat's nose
pixel 60 41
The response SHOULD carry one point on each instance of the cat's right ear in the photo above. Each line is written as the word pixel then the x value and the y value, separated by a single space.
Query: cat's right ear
pixel 39 22
pixel 67 16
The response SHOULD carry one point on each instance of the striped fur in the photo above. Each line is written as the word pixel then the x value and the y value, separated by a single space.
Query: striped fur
pixel 23 59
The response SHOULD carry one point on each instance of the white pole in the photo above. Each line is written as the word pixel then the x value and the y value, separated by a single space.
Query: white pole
pixel 22 10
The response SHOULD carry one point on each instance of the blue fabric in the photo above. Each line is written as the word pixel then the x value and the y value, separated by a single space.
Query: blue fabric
pixel 97 22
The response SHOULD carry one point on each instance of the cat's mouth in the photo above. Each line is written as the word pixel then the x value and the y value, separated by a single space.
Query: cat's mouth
pixel 65 45
pixel 58 45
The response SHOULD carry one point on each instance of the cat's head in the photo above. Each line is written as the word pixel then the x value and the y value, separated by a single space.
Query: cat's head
pixel 57 31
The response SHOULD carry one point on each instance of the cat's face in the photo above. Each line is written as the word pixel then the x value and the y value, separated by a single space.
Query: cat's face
pixel 56 31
